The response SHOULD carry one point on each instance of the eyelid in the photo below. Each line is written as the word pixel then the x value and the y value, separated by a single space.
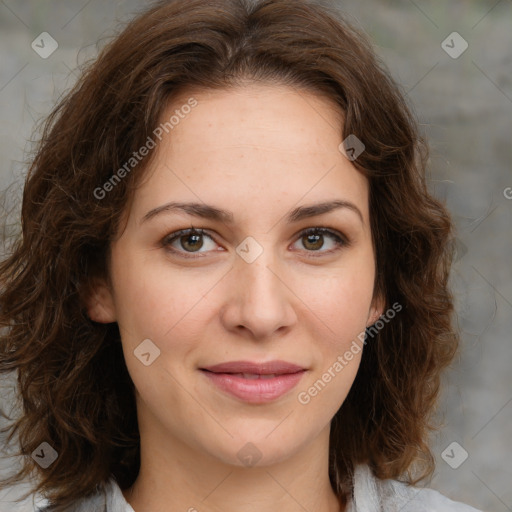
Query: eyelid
pixel 325 230
pixel 340 239
pixel 171 237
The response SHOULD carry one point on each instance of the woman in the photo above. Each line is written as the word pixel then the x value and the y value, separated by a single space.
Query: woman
pixel 231 289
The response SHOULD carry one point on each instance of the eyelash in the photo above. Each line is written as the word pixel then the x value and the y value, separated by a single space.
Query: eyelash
pixel 340 240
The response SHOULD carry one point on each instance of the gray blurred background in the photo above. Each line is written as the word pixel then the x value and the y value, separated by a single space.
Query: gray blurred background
pixel 463 99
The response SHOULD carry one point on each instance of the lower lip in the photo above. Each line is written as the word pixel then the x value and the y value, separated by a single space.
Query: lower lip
pixel 255 391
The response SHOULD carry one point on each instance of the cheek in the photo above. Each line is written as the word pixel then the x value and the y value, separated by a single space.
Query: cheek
pixel 337 320
pixel 151 301
pixel 341 300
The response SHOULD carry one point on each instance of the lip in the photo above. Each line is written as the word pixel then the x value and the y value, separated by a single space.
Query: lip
pixel 265 368
pixel 260 388
pixel 255 391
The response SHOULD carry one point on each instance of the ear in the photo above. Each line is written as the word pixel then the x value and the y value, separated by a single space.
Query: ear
pixel 376 310
pixel 100 303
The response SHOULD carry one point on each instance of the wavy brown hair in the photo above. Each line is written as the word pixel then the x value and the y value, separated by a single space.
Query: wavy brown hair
pixel 74 387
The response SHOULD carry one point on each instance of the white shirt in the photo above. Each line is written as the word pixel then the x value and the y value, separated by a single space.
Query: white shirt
pixel 369 495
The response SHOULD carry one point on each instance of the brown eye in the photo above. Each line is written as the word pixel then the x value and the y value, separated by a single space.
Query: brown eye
pixel 313 242
pixel 315 239
pixel 192 242
pixel 189 241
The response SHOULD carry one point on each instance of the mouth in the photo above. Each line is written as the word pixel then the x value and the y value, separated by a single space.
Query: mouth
pixel 255 383
pixel 249 368
pixel 251 376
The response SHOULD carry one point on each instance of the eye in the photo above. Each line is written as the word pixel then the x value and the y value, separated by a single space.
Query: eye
pixel 188 241
pixel 313 239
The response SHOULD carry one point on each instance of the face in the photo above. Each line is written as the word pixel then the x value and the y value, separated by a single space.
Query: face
pixel 254 269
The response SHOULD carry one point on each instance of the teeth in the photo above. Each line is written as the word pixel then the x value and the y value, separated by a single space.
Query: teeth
pixel 249 376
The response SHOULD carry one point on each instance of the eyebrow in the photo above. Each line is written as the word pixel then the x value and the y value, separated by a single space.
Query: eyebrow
pixel 206 211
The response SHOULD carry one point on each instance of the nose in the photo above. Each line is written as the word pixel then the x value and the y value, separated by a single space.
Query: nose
pixel 261 301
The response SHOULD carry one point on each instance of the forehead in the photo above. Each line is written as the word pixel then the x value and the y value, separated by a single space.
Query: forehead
pixel 258 143
pixel 276 116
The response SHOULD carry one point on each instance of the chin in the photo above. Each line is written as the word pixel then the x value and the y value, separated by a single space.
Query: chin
pixel 256 450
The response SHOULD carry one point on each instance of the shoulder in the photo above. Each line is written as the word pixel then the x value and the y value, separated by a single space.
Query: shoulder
pixel 92 503
pixel 107 498
pixel 370 493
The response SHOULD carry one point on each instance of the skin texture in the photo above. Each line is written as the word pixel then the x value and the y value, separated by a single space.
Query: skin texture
pixel 259 151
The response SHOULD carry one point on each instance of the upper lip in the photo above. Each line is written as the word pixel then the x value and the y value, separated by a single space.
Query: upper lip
pixel 277 367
